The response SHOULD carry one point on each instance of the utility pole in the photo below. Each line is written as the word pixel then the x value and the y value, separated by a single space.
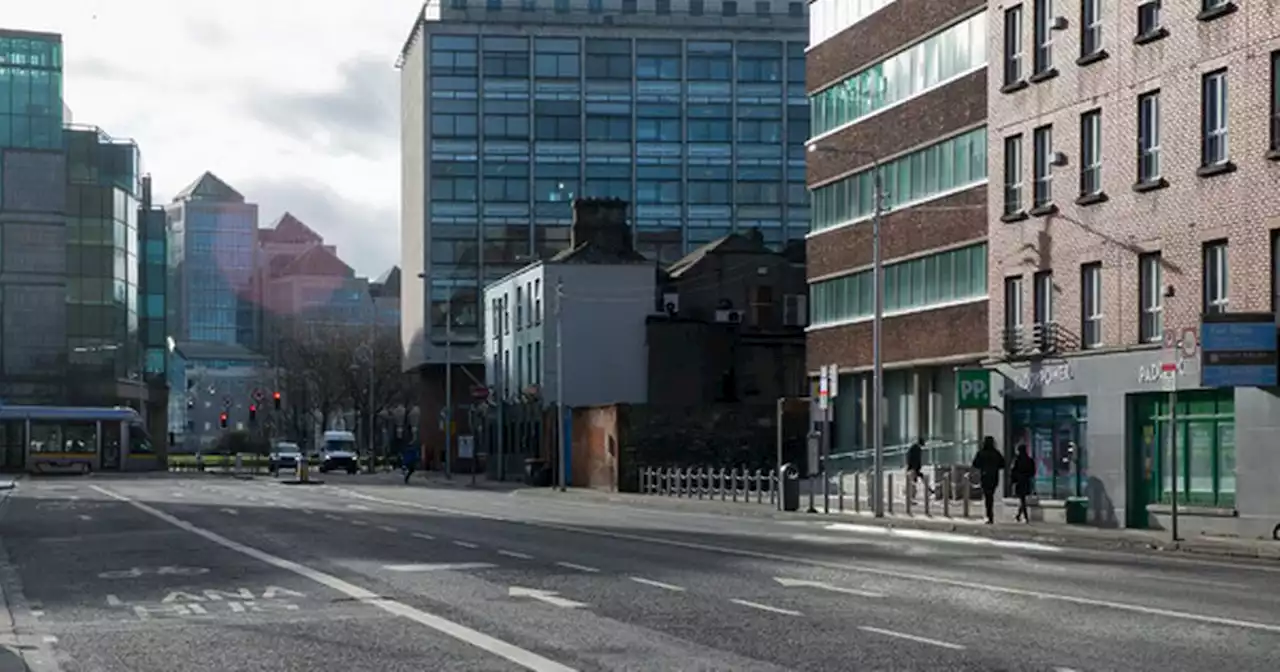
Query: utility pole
pixel 499 391
pixel 877 355
pixel 373 335
pixel 448 388
pixel 561 450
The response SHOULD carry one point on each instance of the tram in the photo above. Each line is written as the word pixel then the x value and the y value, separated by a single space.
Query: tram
pixel 67 439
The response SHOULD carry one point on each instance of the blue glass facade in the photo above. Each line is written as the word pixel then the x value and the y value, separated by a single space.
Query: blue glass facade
pixel 702 137
pixel 30 90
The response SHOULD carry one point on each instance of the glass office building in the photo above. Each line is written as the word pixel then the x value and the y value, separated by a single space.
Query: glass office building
pixel 693 113
pixel 30 90
pixel 212 250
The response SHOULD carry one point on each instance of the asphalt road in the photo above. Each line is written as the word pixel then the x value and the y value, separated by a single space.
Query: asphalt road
pixel 201 573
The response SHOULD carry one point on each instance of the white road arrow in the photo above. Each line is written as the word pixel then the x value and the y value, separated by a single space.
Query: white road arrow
pixel 548 596
pixel 802 583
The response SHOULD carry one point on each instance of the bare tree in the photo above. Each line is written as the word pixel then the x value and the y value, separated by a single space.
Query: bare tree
pixel 312 363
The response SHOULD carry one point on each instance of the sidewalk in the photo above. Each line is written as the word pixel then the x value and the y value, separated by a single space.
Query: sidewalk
pixel 1077 536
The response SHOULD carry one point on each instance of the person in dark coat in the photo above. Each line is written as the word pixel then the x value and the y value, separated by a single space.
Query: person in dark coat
pixel 915 465
pixel 409 460
pixel 1022 473
pixel 989 464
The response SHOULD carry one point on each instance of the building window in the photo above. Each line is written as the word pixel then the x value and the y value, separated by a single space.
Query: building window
pixel 1042 58
pixel 729 8
pixel 1091 153
pixel 1275 100
pixel 795 10
pixel 1091 305
pixel 696 7
pixel 1013 45
pixel 519 308
pixel 1149 137
pixel 1151 298
pixel 1215 277
pixel 1042 301
pixel 1012 311
pixel 1206 446
pixel 762 8
pixel 1214 150
pixel 922 283
pixel 1148 17
pixel 1043 185
pixel 1050 429
pixel 595 6
pixel 1013 175
pixel 1090 27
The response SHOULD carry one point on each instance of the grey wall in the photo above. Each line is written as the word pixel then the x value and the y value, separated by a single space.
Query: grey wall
pixel 413 205
pixel 606 357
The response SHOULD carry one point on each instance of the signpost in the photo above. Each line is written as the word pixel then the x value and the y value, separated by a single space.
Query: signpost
pixel 973 389
pixel 1238 350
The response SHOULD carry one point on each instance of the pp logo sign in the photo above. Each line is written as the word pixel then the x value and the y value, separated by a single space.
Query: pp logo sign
pixel 973 388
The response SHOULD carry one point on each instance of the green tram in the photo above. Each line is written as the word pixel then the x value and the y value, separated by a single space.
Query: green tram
pixel 65 439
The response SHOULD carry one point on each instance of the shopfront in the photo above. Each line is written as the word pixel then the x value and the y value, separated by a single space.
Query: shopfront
pixel 1055 432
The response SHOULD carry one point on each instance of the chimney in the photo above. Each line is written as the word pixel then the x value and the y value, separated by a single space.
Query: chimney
pixel 602 222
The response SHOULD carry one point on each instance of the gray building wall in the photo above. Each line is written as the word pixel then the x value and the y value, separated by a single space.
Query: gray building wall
pixel 413 202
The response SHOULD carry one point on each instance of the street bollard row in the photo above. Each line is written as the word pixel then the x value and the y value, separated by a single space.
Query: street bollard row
pixel 723 484
pixel 852 491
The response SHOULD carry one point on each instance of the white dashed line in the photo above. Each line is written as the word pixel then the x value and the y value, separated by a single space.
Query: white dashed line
pixel 308 511
pixel 513 554
pixel 656 584
pixel 37 613
pixel 387 528
pixel 423 535
pixel 913 638
pixel 359 523
pixel 580 568
pixel 229 512
pixel 84 517
pixel 50 639
pixel 765 607
pixel 330 516
pixel 358 507
pixel 466 544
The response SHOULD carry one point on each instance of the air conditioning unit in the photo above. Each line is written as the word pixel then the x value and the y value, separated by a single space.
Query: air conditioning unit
pixel 671 303
pixel 729 316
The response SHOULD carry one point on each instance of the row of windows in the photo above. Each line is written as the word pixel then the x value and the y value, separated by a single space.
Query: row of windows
pixel 959 49
pixel 30 92
pixel 915 284
pixel 948 165
pixel 761 8
pixel 32 52
pixel 1215 155
pixel 756 62
pixel 31 132
pixel 828 18
pixel 618 128
pixel 557 190
pixel 1150 296
pixel 1149 28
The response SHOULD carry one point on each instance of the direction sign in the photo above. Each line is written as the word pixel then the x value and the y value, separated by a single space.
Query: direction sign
pixel 973 388
pixel 259 394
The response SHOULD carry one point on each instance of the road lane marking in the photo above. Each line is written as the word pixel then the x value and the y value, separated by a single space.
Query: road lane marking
pixel 580 568
pixel 423 535
pixel 801 583
pixel 522 657
pixel 439 567
pixel 875 571
pixel 513 554
pixel 359 523
pixel 765 607
pixel 657 584
pixel 330 516
pixel 84 517
pixel 913 638
pixel 50 639
pixel 930 535
pixel 466 544
pixel 358 507
pixel 308 511
pixel 387 528
pixel 549 596
pixel 230 512
pixel 36 613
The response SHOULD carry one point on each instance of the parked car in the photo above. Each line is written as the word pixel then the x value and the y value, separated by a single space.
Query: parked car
pixel 285 455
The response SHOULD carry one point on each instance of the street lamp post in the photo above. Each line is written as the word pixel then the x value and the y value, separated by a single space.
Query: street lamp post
pixel 561 450
pixel 448 388
pixel 877 322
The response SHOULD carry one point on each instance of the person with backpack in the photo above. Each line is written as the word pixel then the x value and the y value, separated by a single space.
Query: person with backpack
pixel 989 464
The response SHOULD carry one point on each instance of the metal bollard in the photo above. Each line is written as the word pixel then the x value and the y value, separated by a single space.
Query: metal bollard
pixel 704 483
pixel 759 487
pixel 908 493
pixel 946 498
pixel 733 482
pixel 826 490
pixel 928 495
pixel 965 494
pixel 889 493
pixel 840 490
pixel 858 492
pixel 723 494
pixel 679 483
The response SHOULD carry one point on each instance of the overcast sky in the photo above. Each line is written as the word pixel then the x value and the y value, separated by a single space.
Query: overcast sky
pixel 294 104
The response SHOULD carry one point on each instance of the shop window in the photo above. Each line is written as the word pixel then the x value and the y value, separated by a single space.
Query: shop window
pixel 1206 450
pixel 1054 431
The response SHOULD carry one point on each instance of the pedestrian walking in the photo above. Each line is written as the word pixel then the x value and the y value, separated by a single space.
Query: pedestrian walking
pixel 915 465
pixel 1023 475
pixel 409 461
pixel 989 464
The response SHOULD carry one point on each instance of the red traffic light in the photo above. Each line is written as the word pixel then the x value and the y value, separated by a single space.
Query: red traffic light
pixel 253 408
pixel 275 395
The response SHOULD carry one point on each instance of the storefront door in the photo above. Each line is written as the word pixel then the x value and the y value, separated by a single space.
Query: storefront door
pixel 1054 431
pixel 1205 454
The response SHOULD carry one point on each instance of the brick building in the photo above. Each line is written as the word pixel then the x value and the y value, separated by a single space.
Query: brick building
pixel 1136 195
pixel 901 84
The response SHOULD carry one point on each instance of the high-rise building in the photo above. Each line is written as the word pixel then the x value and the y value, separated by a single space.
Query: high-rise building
pixel 33 184
pixel 899 91
pixel 1137 157
pixel 693 111
pixel 213 295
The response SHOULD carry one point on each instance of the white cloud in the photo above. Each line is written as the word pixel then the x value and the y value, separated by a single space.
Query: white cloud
pixel 297 99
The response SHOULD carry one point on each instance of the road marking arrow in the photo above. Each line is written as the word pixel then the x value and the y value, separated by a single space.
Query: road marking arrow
pixel 802 583
pixel 548 596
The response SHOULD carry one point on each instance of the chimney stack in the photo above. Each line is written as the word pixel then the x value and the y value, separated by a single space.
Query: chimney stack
pixel 602 222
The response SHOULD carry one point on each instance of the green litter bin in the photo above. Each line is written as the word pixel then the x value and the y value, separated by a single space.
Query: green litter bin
pixel 1077 510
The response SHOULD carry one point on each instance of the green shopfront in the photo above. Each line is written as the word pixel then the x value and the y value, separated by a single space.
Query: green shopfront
pixel 1100 427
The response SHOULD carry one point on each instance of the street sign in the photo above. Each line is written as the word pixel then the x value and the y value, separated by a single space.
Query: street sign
pixel 479 392
pixel 1239 350
pixel 259 394
pixel 1169 376
pixel 824 388
pixel 466 447
pixel 833 380
pixel 973 388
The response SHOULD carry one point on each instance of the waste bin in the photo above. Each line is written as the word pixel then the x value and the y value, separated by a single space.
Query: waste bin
pixel 1077 510
pixel 535 472
pixel 789 482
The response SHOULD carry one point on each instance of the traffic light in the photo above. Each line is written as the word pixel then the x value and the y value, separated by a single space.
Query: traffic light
pixel 275 399
pixel 253 412
pixel 222 420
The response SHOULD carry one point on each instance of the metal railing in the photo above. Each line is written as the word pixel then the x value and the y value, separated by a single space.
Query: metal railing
pixel 708 483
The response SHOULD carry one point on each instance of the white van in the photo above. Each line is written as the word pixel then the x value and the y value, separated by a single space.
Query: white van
pixel 338 452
